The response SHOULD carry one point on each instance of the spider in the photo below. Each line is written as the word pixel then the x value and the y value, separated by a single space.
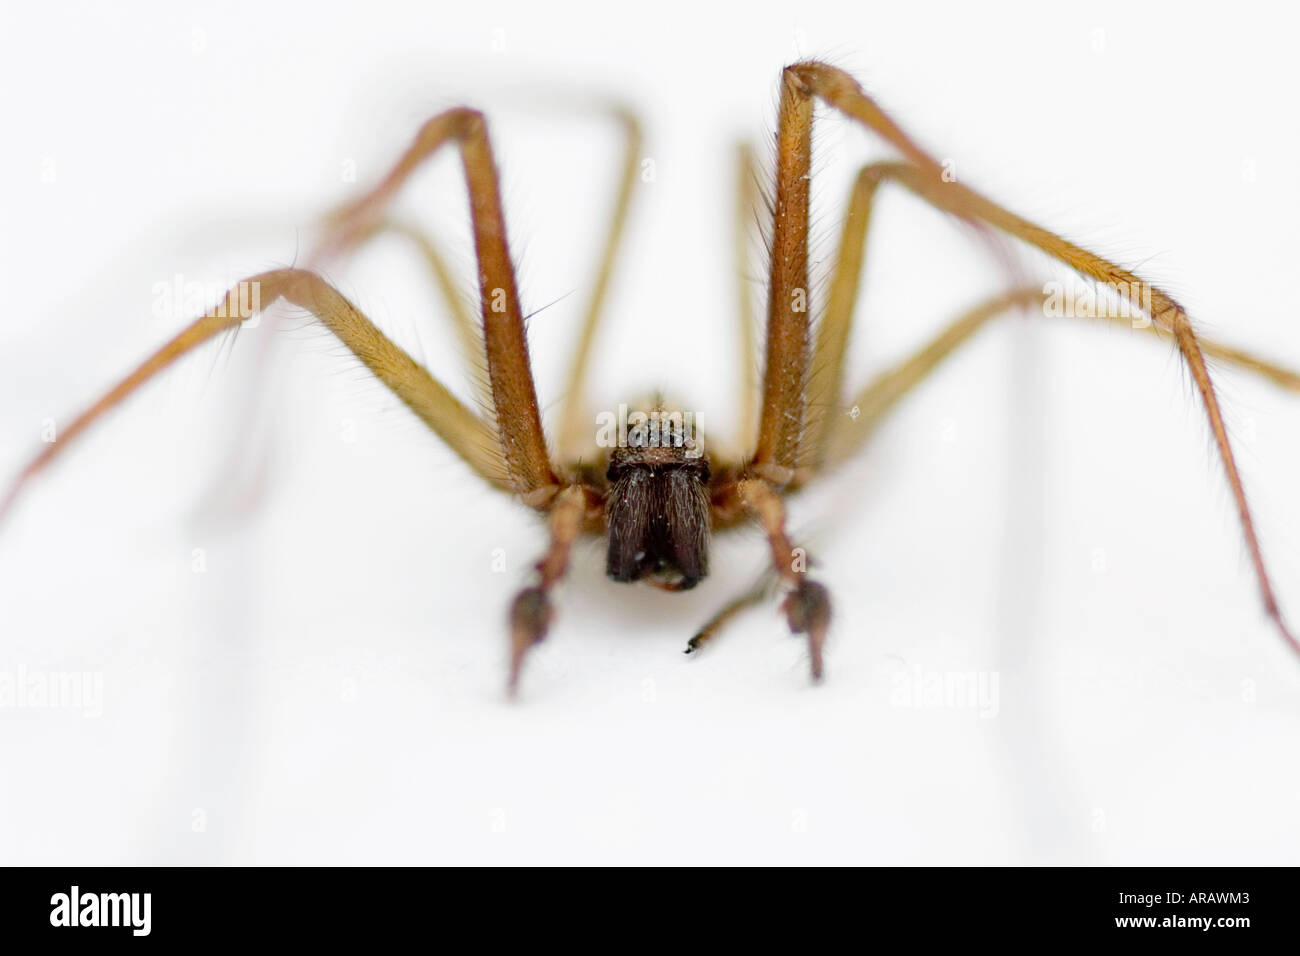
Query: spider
pixel 656 493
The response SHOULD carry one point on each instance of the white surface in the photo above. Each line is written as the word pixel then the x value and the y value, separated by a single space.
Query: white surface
pixel 329 689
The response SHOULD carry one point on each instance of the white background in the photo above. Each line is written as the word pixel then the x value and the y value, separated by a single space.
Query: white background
pixel 330 687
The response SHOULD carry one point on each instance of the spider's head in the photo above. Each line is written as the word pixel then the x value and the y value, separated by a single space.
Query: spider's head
pixel 658 516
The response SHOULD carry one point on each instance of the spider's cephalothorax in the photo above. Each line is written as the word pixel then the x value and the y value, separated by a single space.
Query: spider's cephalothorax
pixel 658 516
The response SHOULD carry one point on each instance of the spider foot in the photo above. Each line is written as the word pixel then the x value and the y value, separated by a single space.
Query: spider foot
pixel 808 609
pixel 530 618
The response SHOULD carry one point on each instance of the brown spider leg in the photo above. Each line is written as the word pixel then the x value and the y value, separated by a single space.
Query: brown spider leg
pixel 469 335
pixel 846 434
pixel 521 442
pixel 832 436
pixel 826 375
pixel 924 176
pixel 1243 359
pixel 785 369
pixel 807 606
pixel 870 404
pixel 455 424
pixel 747 203
pixel 531 612
pixel 575 427
pixel 354 222
pixel 785 372
pixel 709 630
pixel 514 398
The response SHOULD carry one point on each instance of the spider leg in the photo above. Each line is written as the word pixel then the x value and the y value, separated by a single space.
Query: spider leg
pixel 748 198
pixel 353 223
pixel 755 595
pixel 455 424
pixel 870 404
pixel 755 490
pixel 469 336
pixel 531 612
pixel 521 443
pixel 826 373
pixel 514 397
pixel 831 436
pixel 785 369
pixel 807 606
pixel 923 175
pixel 575 426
